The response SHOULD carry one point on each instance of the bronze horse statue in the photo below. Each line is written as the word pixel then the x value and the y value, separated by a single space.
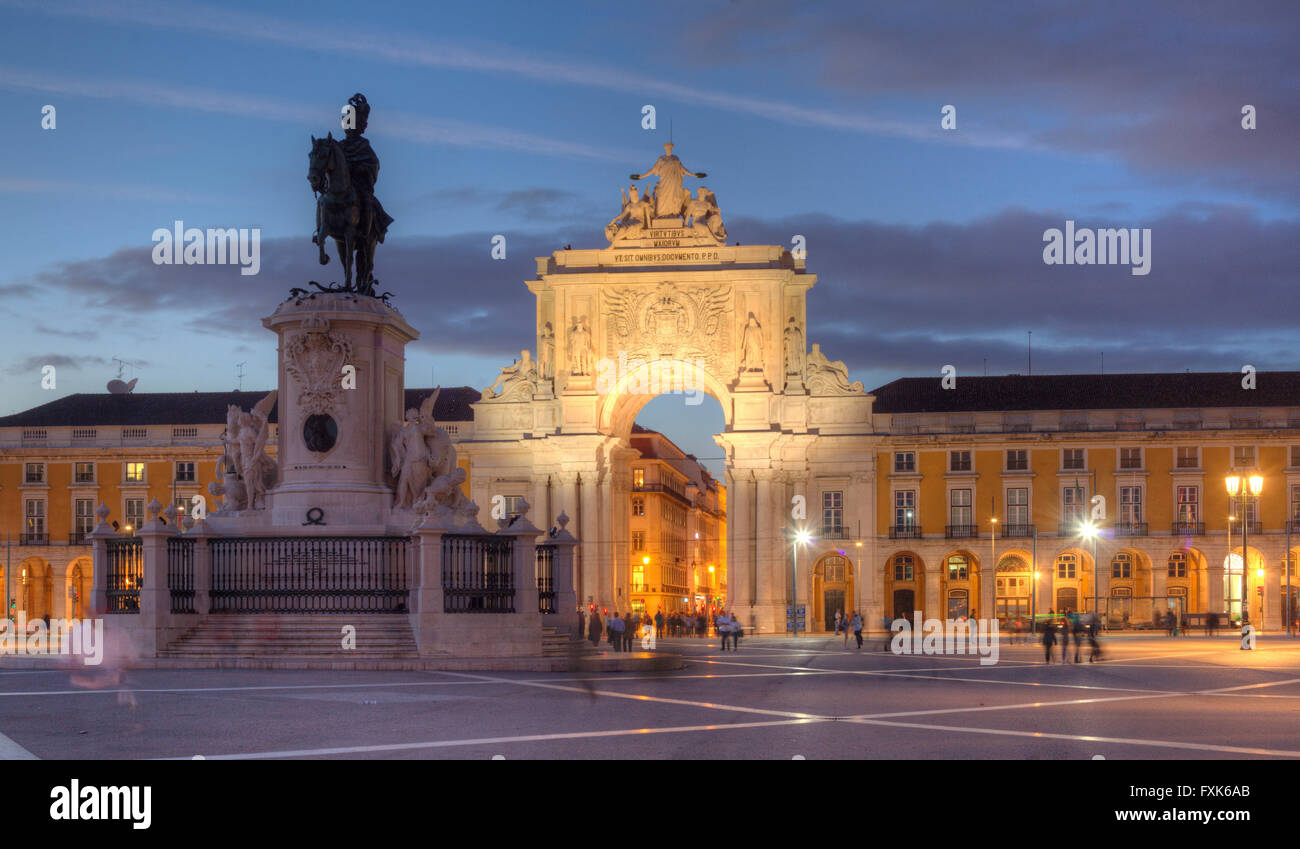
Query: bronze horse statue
pixel 339 214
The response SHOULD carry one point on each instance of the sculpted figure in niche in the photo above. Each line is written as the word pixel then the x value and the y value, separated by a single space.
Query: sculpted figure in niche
pixel 669 195
pixel 580 347
pixel 751 346
pixel 794 350
pixel 546 353
pixel 825 377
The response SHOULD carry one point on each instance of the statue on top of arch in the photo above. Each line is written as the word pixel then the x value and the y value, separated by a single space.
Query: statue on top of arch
pixel 668 200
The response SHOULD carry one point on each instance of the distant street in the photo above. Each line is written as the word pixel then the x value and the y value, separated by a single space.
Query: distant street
pixel 1154 697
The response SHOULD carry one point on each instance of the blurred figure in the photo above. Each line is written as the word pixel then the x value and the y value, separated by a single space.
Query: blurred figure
pixel 594 628
pixel 1049 639
pixel 857 629
pixel 1094 629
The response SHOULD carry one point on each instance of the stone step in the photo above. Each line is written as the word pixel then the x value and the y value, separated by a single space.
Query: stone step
pixel 283 635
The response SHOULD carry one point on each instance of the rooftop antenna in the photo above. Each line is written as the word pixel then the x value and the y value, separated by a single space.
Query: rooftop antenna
pixel 240 375
pixel 1103 362
pixel 986 366
pixel 119 386
pixel 1031 353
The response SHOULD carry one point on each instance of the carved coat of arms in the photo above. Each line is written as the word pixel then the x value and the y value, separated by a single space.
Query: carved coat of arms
pixel 669 322
pixel 315 358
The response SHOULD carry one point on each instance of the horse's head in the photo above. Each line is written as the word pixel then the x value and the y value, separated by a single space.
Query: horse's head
pixel 324 163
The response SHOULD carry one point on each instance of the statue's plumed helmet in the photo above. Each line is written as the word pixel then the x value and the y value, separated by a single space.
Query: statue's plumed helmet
pixel 362 108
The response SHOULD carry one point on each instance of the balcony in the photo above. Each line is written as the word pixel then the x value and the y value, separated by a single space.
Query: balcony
pixel 33 539
pixel 904 531
pixel 1182 529
pixel 1131 529
pixel 1069 529
pixel 79 538
pixel 835 533
pixel 961 531
pixel 1017 531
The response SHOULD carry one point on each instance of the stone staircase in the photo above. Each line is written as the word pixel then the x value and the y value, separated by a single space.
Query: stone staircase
pixel 378 636
pixel 562 645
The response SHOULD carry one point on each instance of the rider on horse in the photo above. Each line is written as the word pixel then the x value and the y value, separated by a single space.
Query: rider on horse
pixel 364 168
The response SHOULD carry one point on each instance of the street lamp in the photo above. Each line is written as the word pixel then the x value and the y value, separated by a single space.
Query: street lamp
pixel 1243 489
pixel 801 537
pixel 1090 531
pixel 857 584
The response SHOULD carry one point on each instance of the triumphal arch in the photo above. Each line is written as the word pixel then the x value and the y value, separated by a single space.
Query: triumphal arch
pixel 669 306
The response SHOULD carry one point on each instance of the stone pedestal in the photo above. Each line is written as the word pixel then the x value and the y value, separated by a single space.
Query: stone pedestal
pixel 341 388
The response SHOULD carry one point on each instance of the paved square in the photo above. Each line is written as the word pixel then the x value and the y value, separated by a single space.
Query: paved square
pixel 1153 697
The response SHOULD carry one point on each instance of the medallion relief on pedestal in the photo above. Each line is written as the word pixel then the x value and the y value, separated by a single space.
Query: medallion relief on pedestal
pixel 314 358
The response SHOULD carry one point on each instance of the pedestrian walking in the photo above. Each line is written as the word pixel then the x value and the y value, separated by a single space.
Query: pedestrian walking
pixel 1073 623
pixel 1064 626
pixel 723 626
pixel 736 631
pixel 1049 640
pixel 1093 628
pixel 888 634
pixel 857 628
pixel 616 628
pixel 594 628
pixel 659 624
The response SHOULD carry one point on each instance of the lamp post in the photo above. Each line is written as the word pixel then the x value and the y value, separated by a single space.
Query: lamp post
pixel 1243 489
pixel 857 585
pixel 1033 588
pixel 1089 531
pixel 801 537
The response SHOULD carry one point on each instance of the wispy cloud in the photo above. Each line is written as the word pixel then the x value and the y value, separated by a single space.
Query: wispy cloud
pixel 402 49
pixel 414 128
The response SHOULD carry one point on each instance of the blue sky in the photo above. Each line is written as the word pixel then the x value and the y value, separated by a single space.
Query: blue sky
pixel 525 118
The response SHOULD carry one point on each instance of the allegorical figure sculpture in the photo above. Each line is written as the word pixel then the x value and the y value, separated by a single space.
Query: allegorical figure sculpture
pixel 343 174
pixel 633 220
pixel 669 195
pixel 419 450
pixel 751 346
pixel 580 347
pixel 546 353
pixel 705 217
pixel 826 377
pixel 517 381
pixel 794 349
pixel 245 472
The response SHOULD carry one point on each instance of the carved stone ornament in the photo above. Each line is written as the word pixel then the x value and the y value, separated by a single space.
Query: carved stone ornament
pixel 671 323
pixel 315 358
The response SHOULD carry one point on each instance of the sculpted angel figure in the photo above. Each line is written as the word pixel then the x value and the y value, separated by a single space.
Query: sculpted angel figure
pixel 416 449
pixel 255 467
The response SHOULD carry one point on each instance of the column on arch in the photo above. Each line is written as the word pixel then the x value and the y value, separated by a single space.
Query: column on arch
pixel 741 580
pixel 768 544
pixel 595 579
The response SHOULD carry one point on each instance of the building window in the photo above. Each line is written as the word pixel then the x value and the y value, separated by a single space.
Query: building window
pixel 34 516
pixel 1295 456
pixel 833 514
pixel 1121 565
pixel 35 473
pixel 958 567
pixel 134 513
pixel 1130 505
pixel 1071 458
pixel 959 461
pixel 1067 566
pixel 1295 504
pixel 1130 458
pixel 638 540
pixel 905 508
pixel 960 507
pixel 85 517
pixel 1178 565
pixel 638 478
pixel 512 503
pixel 905 461
pixel 185 472
pixel 1017 460
pixel 1189 457
pixel 135 472
pixel 903 567
pixel 1072 504
pixel 1188 504
pixel 84 473
pixel 638 506
pixel 1243 456
pixel 1018 506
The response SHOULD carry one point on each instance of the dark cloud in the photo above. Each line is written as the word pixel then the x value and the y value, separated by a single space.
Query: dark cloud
pixel 1160 85
pixel 33 364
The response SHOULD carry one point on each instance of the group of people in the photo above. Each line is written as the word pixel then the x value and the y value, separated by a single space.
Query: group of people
pixel 852 622
pixel 619 630
pixel 1059 629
